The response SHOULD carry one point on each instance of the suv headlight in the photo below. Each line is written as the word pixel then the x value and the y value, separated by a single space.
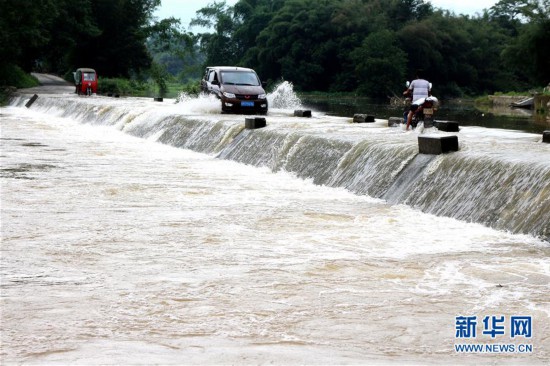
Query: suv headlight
pixel 261 96
pixel 229 95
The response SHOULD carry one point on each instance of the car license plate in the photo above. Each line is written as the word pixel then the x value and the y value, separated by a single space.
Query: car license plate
pixel 247 104
pixel 428 111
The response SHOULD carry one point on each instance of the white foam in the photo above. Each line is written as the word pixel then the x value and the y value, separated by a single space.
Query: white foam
pixel 150 253
pixel 201 104
pixel 284 97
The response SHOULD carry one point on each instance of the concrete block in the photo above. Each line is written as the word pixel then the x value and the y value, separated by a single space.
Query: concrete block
pixel 395 121
pixel 302 113
pixel 436 145
pixel 448 126
pixel 546 136
pixel 158 99
pixel 31 101
pixel 253 123
pixel 363 118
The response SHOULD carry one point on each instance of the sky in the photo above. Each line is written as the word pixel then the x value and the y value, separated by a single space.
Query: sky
pixel 185 9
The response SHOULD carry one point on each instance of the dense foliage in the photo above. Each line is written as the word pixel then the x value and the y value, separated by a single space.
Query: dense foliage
pixel 365 46
pixel 61 35
pixel 372 46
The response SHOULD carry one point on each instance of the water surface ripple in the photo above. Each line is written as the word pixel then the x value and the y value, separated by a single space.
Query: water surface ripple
pixel 119 250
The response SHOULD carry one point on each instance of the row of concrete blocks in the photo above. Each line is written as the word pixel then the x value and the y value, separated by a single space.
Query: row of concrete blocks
pixel 156 99
pixel 433 145
pixel 35 97
pixel 426 144
pixel 252 123
pixel 118 96
pixel 447 126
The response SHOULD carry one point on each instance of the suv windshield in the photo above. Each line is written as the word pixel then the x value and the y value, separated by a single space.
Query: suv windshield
pixel 239 78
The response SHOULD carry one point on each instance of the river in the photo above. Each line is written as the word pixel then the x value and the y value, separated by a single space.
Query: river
pixel 463 111
pixel 121 245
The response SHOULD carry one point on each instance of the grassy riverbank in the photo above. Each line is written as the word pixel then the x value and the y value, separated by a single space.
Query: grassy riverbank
pixel 136 88
pixel 11 78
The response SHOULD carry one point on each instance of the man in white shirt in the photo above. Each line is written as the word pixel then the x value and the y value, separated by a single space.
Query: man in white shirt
pixel 420 89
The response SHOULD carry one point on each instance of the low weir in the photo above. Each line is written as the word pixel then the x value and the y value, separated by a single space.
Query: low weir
pixel 498 178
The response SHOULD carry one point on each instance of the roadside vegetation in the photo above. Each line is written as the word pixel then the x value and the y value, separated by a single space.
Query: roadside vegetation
pixel 117 38
pixel 15 78
pixel 364 48
pixel 371 47
pixel 128 87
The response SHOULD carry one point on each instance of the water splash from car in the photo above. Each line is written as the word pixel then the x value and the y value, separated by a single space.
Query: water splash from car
pixel 198 104
pixel 284 97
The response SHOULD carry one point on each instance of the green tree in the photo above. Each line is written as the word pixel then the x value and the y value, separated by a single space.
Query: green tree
pixel 174 50
pixel 120 48
pixel 252 16
pixel 527 53
pixel 456 53
pixel 400 12
pixel 72 25
pixel 61 35
pixel 380 64
pixel 25 29
pixel 297 44
pixel 487 41
pixel 218 46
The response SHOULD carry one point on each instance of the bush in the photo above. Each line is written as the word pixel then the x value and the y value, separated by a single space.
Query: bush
pixel 6 93
pixel 121 86
pixel 483 101
pixel 12 75
pixel 69 76
pixel 192 88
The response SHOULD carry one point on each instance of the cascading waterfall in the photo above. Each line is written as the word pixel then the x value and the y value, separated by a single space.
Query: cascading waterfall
pixel 504 186
pixel 508 195
pixel 407 178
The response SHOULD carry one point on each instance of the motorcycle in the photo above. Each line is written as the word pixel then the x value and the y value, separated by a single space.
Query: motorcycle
pixel 425 112
pixel 426 108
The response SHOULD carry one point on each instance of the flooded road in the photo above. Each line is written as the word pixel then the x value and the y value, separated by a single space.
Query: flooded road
pixel 120 250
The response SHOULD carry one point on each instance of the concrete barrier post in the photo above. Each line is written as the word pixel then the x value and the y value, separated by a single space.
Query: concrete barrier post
pixel 436 145
pixel 253 123
pixel 31 101
pixel 363 118
pixel 302 113
pixel 447 126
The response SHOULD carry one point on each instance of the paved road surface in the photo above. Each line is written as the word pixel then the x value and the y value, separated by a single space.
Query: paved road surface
pixel 49 84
